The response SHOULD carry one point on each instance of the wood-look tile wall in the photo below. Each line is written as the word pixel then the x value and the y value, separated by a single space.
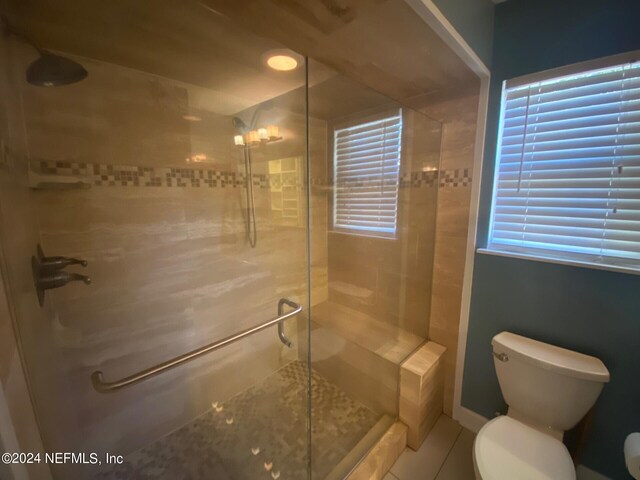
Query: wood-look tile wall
pixel 458 113
pixel 422 391
pixel 383 455
pixel 390 278
pixel 379 286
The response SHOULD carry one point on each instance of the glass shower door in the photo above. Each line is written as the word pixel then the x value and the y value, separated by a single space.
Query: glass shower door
pixel 177 170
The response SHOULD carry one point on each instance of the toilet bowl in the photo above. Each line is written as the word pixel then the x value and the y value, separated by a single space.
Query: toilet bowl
pixel 548 390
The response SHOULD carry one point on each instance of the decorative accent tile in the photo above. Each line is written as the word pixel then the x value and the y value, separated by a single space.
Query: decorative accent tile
pixel 455 178
pixel 320 181
pixel 260 433
pixel 406 180
pixel 419 179
pixel 133 176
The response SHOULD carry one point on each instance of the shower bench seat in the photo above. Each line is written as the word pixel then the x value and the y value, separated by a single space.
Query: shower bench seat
pixel 384 339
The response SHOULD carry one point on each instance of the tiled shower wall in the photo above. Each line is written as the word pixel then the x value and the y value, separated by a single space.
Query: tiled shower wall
pixel 165 239
pixel 18 427
pixel 458 114
pixel 419 289
pixel 379 288
pixel 390 278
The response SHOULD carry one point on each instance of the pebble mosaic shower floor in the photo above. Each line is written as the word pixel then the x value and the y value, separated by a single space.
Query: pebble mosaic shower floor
pixel 260 433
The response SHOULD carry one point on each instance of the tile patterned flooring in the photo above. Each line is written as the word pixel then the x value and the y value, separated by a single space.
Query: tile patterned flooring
pixel 258 434
pixel 446 454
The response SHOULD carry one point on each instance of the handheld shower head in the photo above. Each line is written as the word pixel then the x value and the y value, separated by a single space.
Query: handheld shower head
pixel 243 127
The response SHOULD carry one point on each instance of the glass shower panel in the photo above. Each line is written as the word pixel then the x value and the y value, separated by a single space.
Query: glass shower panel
pixel 177 170
pixel 373 194
pixel 201 190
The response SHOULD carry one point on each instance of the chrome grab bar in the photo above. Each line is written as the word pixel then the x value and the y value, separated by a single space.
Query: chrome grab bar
pixel 106 387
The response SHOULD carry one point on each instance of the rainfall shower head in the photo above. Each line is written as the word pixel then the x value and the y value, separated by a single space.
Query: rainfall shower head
pixel 49 70
pixel 53 70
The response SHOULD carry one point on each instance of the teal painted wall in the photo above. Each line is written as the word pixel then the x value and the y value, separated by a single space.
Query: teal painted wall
pixel 592 311
pixel 473 19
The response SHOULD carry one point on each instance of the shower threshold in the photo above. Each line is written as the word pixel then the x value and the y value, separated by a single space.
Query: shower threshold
pixel 261 433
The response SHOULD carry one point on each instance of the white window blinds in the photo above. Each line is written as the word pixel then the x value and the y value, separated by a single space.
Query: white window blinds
pixel 366 175
pixel 568 168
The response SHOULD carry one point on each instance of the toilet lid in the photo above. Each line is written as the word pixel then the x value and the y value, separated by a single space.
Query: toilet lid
pixel 506 449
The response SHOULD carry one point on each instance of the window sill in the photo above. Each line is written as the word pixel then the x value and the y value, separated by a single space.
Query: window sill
pixel 559 261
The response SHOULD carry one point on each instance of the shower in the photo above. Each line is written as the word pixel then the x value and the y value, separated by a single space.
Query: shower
pixel 243 128
pixel 49 70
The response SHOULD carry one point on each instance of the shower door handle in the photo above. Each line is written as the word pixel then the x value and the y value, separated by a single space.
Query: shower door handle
pixel 105 387
pixel 283 337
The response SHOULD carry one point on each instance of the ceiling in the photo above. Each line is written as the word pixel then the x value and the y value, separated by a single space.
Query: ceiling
pixel 177 39
pixel 383 44
pixel 220 45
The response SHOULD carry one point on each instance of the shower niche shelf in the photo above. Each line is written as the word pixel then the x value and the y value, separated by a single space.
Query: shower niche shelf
pixel 42 181
pixel 285 181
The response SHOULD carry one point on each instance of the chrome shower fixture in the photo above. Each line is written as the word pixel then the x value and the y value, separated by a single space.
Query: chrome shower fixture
pixel 249 136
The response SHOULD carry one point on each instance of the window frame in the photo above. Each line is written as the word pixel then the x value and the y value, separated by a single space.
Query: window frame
pixel 355 121
pixel 585 260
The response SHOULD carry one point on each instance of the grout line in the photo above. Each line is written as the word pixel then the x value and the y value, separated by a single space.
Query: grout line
pixel 449 453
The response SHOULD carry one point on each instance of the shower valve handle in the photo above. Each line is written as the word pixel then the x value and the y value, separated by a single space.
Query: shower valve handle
pixel 58 263
pixel 48 272
pixel 60 279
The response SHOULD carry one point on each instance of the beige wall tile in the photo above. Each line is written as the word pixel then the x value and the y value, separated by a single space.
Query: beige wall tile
pixel 389 278
pixel 458 112
pixel 421 391
pixel 383 455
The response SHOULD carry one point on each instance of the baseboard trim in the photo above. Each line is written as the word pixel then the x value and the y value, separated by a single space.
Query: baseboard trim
pixel 469 419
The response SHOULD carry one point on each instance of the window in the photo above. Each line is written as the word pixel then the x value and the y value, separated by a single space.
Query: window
pixel 366 174
pixel 567 181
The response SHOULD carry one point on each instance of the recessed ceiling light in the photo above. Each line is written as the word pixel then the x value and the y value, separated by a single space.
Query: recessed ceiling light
pixel 282 63
pixel 191 118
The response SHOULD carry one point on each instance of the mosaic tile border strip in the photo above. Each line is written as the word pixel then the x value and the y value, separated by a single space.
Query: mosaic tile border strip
pixel 101 175
pixel 455 178
pixel 419 179
pixel 132 176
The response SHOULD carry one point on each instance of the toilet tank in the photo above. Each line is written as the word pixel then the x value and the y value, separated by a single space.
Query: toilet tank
pixel 551 387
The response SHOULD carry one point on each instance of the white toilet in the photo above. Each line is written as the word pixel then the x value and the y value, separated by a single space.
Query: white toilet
pixel 548 390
